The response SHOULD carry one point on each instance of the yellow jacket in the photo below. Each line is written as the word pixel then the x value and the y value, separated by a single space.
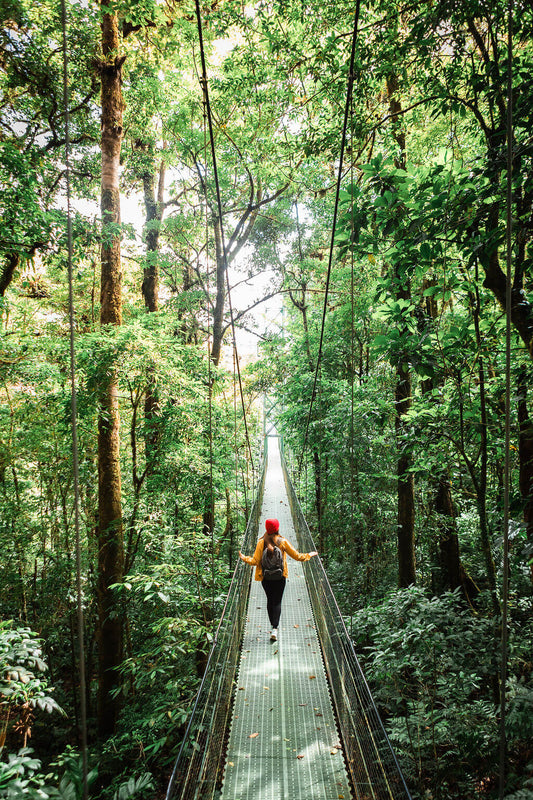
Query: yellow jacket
pixel 284 545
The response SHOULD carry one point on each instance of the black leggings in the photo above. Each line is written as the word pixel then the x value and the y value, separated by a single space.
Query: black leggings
pixel 274 592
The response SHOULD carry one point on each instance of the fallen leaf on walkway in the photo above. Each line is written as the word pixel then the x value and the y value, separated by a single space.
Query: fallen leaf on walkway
pixel 311 677
pixel 241 688
pixel 301 756
pixel 296 626
pixel 231 764
pixel 333 752
pixel 303 704
pixel 267 688
pixel 253 735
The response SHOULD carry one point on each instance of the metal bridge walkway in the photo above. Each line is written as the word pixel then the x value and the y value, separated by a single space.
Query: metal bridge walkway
pixel 262 726
pixel 283 741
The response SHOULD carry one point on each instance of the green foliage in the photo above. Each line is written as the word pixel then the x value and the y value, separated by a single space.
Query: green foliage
pixel 277 85
pixel 22 775
pixel 527 792
pixel 23 688
pixel 139 787
pixel 431 663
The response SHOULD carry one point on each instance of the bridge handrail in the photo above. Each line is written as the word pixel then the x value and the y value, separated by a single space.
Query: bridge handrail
pixel 370 758
pixel 198 768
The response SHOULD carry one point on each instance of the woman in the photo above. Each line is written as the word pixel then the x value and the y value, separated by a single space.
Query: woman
pixel 270 561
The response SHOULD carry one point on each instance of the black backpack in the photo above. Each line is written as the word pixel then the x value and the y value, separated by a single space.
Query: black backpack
pixel 272 564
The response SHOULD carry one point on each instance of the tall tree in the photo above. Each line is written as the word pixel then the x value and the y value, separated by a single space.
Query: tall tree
pixel 31 125
pixel 110 526
pixel 403 393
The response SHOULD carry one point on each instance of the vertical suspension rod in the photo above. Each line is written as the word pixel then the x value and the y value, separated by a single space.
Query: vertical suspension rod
pixel 74 418
pixel 507 468
pixel 210 383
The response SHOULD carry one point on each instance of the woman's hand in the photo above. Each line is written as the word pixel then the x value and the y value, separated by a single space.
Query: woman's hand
pixel 314 553
pixel 241 555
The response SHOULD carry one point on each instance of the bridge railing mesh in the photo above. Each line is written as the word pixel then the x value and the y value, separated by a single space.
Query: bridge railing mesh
pixel 371 761
pixel 198 769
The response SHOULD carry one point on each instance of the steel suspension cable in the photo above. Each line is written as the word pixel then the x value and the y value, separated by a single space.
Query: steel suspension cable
pixel 205 90
pixel 74 414
pixel 235 445
pixel 334 224
pixel 352 350
pixel 507 467
pixel 210 386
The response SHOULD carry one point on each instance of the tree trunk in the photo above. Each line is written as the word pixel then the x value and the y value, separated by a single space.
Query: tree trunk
pixel 150 289
pixel 452 574
pixel 402 290
pixel 450 564
pixel 406 484
pixel 218 311
pixel 481 484
pixel 525 452
pixel 154 216
pixel 8 270
pixel 110 527
pixel 318 497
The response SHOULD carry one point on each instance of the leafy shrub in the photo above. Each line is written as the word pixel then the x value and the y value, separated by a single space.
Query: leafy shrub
pixel 432 665
pixel 23 687
pixel 20 777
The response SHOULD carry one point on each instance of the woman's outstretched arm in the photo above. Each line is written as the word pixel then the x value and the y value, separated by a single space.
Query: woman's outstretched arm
pixel 256 558
pixel 296 555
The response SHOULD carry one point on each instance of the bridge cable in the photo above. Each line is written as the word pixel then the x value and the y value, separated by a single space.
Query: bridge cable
pixel 235 447
pixel 74 416
pixel 209 380
pixel 334 224
pixel 507 467
pixel 352 351
pixel 205 89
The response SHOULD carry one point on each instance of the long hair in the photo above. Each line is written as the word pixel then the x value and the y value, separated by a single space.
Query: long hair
pixel 270 540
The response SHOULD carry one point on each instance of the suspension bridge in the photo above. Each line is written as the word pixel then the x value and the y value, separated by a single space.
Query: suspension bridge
pixel 288 719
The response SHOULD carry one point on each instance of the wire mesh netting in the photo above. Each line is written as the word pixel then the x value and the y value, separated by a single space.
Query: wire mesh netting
pixel 198 768
pixel 371 761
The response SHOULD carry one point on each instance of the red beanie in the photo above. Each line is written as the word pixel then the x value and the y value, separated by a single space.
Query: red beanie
pixel 272 525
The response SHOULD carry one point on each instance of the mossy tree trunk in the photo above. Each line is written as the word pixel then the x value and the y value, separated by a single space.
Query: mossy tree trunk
pixel 110 526
pixel 402 396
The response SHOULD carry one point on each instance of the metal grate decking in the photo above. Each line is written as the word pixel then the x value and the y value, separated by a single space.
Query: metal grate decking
pixel 283 741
